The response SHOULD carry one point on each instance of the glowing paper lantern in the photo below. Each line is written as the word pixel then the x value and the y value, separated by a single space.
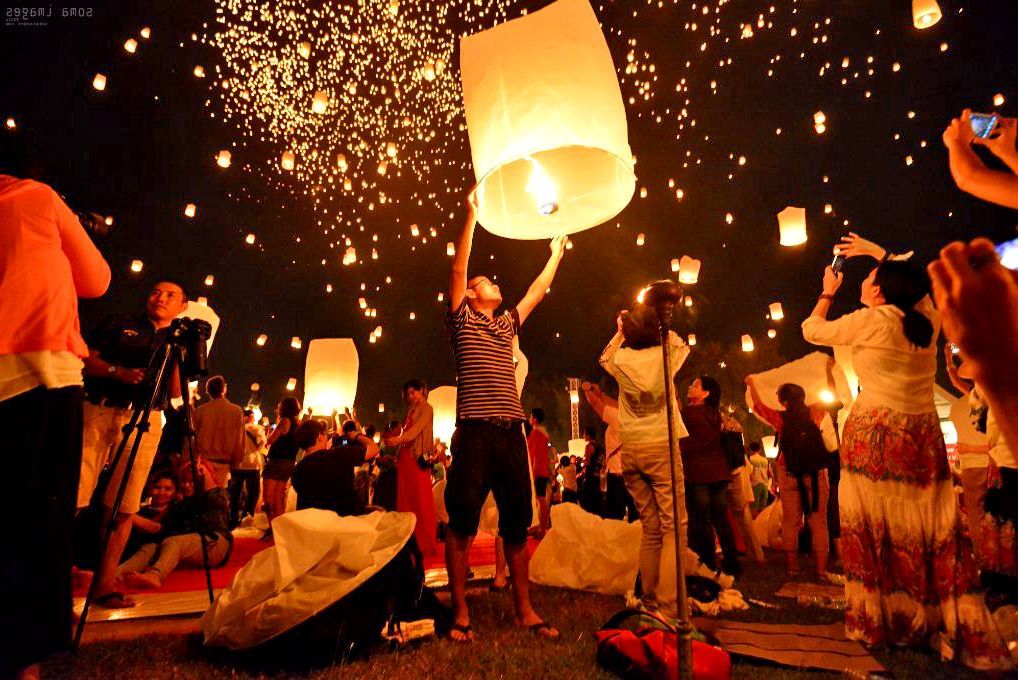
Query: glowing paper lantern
pixel 691 339
pixel 443 401
pixel 136 265
pixel 689 270
pixel 320 102
pixel 381 407
pixel 675 264
pixel 925 13
pixel 747 343
pixel 304 49
pixel 199 71
pixel 998 99
pixel 350 256
pixel 546 123
pixel 770 447
pixel 390 150
pixel 262 339
pixel 578 448
pixel 287 160
pixel 250 239
pixel 145 32
pixel 641 238
pixel 777 313
pixel 99 82
pixel 792 226
pixel 771 333
pixel 330 375
pixel 209 280
pixel 190 209
pixel 130 45
pixel 11 124
pixel 295 342
pixel 223 159
pixel 291 384
pixel 450 248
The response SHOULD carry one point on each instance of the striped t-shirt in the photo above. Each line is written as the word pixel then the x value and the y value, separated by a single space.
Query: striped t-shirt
pixel 485 373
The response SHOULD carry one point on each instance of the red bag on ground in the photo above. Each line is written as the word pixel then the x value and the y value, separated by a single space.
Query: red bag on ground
pixel 650 654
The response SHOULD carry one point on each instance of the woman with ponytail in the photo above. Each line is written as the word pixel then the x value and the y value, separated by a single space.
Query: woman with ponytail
pixel 910 576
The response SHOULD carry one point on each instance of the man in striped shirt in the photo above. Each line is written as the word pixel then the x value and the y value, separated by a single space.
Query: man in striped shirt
pixel 489 451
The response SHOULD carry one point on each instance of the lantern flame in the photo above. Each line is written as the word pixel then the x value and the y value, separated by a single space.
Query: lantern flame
pixel 542 188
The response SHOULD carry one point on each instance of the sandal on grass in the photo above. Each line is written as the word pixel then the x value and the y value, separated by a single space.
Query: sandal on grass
pixel 464 630
pixel 114 600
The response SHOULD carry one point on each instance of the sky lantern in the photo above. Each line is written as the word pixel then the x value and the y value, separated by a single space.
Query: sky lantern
pixel 223 159
pixel 770 446
pixel 689 270
pixel 199 71
pixel 304 49
pixel 145 32
pixel 209 280
pixel 291 384
pixel 330 375
pixel 546 123
pixel 350 256
pixel 11 123
pixel 320 102
pixel 578 448
pixel 287 160
pixel 261 340
pixel 443 401
pixel 249 239
pixel 450 248
pixel 295 342
pixel 641 238
pixel 676 265
pixel 771 333
pixel 747 343
pixel 777 313
pixel 925 13
pixel 190 209
pixel 381 407
pixel 691 339
pixel 688 301
pixel 130 45
pixel 792 226
pixel 390 150
pixel 99 82
pixel 998 99
pixel 415 230
pixel 137 266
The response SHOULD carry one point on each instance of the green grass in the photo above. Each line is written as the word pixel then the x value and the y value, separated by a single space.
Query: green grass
pixel 499 651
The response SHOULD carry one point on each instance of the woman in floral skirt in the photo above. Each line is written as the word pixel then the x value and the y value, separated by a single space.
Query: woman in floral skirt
pixel 910 574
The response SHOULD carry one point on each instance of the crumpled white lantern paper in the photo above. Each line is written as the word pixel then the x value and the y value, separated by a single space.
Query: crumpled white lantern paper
pixel 330 375
pixel 546 123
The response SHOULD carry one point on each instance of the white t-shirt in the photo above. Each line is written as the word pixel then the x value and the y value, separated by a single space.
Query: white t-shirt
pixel 610 416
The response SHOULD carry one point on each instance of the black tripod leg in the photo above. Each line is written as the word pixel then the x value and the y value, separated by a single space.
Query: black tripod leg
pixel 189 441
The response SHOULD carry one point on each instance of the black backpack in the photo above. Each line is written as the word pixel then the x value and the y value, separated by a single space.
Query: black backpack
pixel 802 446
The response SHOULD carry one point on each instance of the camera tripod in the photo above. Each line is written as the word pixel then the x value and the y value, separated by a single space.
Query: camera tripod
pixel 171 354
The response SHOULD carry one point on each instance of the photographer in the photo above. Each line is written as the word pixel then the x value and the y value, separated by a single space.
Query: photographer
pixel 324 478
pixel 47 262
pixel 120 350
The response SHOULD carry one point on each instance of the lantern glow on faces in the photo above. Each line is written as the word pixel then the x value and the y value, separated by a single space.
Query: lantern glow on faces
pixel 330 375
pixel 925 13
pixel 547 124
pixel 792 226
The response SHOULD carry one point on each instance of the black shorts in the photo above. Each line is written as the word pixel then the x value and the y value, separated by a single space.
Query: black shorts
pixel 489 457
pixel 540 486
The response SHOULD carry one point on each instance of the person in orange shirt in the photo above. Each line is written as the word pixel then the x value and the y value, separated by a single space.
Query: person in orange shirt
pixel 47 261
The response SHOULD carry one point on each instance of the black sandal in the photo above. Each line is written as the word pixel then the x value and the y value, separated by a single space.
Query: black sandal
pixel 468 634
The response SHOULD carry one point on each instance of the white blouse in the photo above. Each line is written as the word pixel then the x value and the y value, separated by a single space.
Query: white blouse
pixel 892 372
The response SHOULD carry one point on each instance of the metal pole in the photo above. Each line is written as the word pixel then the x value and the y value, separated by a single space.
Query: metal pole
pixel 684 636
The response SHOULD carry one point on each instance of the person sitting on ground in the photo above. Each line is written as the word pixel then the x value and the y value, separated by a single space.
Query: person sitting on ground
pixel 147 525
pixel 205 508
pixel 324 478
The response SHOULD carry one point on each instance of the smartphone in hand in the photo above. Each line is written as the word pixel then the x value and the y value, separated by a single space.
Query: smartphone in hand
pixel 983 124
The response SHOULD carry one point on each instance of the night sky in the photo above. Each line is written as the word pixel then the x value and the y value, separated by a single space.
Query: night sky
pixel 143 148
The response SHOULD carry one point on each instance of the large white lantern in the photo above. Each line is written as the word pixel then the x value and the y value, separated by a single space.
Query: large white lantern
pixel 443 401
pixel 578 448
pixel 792 226
pixel 546 123
pixel 330 375
pixel 689 270
pixel 925 13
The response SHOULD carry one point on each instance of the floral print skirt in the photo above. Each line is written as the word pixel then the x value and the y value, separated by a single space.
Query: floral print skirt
pixel 911 578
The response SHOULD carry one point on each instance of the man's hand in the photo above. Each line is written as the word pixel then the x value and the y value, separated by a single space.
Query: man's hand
pixel 620 319
pixel 1002 144
pixel 130 376
pixel 832 281
pixel 978 300
pixel 558 246
pixel 854 245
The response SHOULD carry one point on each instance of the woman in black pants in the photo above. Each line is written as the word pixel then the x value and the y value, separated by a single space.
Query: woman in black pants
pixel 707 475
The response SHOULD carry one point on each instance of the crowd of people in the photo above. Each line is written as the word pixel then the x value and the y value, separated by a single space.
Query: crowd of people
pixel 918 567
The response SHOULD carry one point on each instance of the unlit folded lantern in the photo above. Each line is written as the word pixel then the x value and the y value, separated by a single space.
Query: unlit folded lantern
pixel 443 401
pixel 792 226
pixel 330 375
pixel 546 123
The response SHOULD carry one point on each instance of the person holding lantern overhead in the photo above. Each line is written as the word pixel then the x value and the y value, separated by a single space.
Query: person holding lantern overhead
pixel 489 451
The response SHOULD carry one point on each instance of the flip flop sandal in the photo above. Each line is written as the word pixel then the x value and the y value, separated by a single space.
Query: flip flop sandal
pixel 536 629
pixel 108 601
pixel 468 635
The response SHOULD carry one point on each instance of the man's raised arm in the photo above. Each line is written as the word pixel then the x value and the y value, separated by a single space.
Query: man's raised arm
pixel 458 276
pixel 540 286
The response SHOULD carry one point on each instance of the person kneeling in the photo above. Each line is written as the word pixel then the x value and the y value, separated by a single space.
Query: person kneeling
pixel 324 478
